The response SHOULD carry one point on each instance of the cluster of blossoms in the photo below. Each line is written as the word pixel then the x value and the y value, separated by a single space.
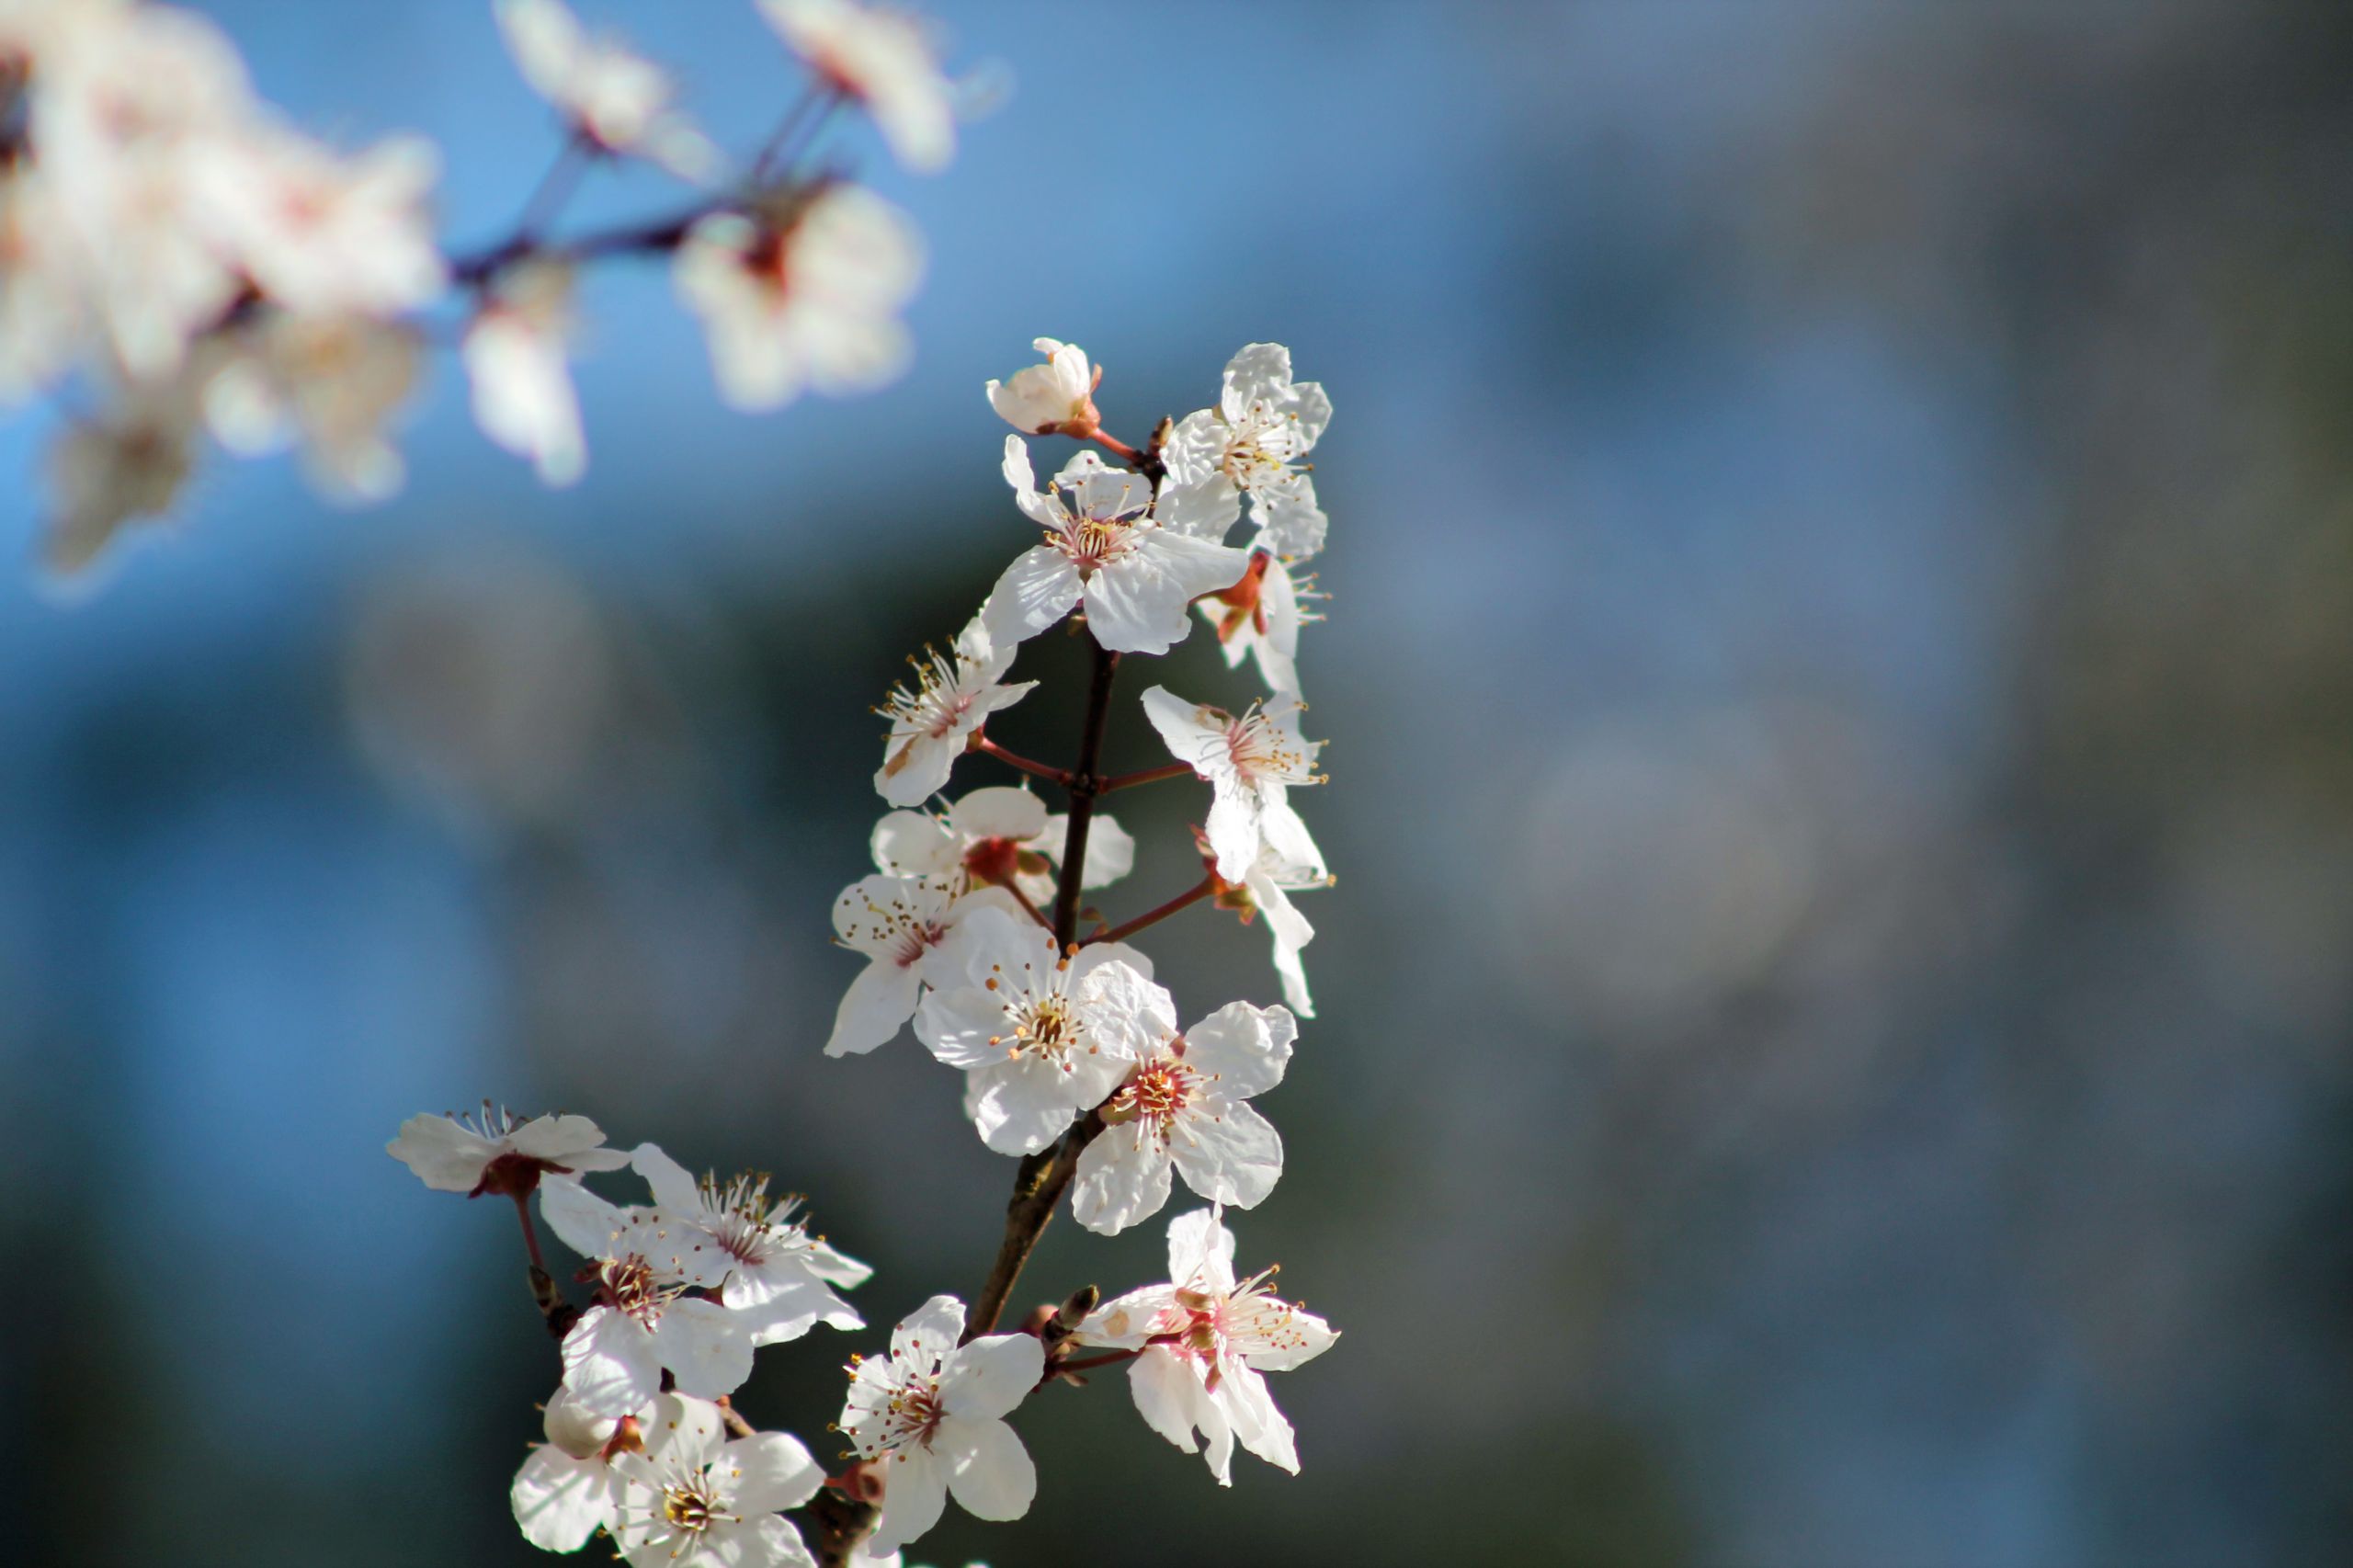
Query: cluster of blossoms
pixel 1074 1058
pixel 179 264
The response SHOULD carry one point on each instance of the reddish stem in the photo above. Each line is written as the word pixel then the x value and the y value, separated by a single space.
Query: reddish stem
pixel 1015 759
pixel 1118 447
pixel 1207 886
pixel 1023 900
pixel 1088 1363
pixel 1145 776
pixel 530 1234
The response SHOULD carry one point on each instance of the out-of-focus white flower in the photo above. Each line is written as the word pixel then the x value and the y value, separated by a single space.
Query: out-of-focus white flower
pixel 491 1150
pixel 1057 397
pixel 514 353
pixel 931 723
pixel 1259 615
pixel 611 95
pixel 1042 1037
pixel 764 1263
pixel 1184 1106
pixel 567 1489
pixel 1206 1340
pixel 42 320
pixel 642 1322
pixel 998 837
pixel 936 1412
pixel 883 58
pixel 1250 762
pixel 128 463
pixel 692 1497
pixel 1133 577
pixel 1263 424
pixel 332 382
pixel 323 234
pixel 906 927
pixel 812 300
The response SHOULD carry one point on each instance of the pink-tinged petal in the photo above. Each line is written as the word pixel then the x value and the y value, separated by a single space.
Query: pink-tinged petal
pixel 1243 1395
pixel 874 1009
pixel 774 1472
pixel 1001 811
pixel 915 1493
pixel 445 1156
pixel 1122 1177
pixel 1244 1048
pixel 1234 1157
pixel 586 1222
pixel 706 1349
pixel 609 1365
pixel 1304 1336
pixel 991 1375
pixel 560 1501
pixel 1040 588
pixel 1200 1251
pixel 990 1472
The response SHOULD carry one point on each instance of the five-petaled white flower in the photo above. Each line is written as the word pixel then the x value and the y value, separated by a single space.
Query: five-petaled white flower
pixel 694 1496
pixel 930 724
pixel 998 837
pixel 936 1413
pixel 904 926
pixel 514 353
pixel 768 1269
pixel 1260 615
pixel 1057 397
pixel 567 1489
pixel 1207 1339
pixel 490 1151
pixel 1101 551
pixel 1250 760
pixel 883 58
pixel 1042 1037
pixel 610 94
pixel 1182 1105
pixel 808 298
pixel 643 1323
pixel 1263 424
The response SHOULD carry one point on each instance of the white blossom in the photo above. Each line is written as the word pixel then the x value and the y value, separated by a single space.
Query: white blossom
pixel 1042 1037
pixel 885 60
pixel 514 353
pixel 609 94
pixel 1184 1106
pixel 643 1323
pixel 767 1267
pixel 998 836
pixel 904 928
pixel 323 234
pixel 128 464
pixel 331 383
pixel 1057 396
pixel 1265 888
pixel 1263 424
pixel 1206 1341
pixel 936 1412
pixel 1132 576
pixel 478 1152
pixel 567 1490
pixel 42 320
pixel 1260 616
pixel 1250 761
pixel 809 300
pixel 693 1497
pixel 930 724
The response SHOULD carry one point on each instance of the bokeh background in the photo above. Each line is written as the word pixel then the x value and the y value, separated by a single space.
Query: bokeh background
pixel 1834 1019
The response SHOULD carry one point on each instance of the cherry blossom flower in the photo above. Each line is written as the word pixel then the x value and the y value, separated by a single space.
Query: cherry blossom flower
pixel 42 322
pixel 931 723
pixel 998 835
pixel 1206 1341
pixel 491 1150
pixel 333 382
pixel 1184 1106
pixel 643 1323
pixel 1057 397
pixel 1263 424
pixel 808 299
pixel 1266 888
pixel 883 58
pixel 767 1267
pixel 1250 762
pixel 1259 615
pixel 1132 576
pixel 1042 1037
pixel 936 1412
pixel 127 464
pixel 692 1495
pixel 322 234
pixel 514 353
pixel 567 1489
pixel 905 927
pixel 612 97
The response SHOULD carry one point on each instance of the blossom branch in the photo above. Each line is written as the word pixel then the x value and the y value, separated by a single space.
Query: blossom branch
pixel 1154 915
pixel 1144 776
pixel 981 743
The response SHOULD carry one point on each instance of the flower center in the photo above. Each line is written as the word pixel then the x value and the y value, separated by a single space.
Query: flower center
pixel 1262 447
pixel 1093 543
pixel 1049 1028
pixel 629 1285
pixel 688 1507
pixel 1260 749
pixel 915 1413
pixel 1156 1095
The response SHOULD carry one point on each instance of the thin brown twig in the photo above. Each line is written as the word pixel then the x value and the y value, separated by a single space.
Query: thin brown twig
pixel 1015 759
pixel 1159 913
pixel 1144 776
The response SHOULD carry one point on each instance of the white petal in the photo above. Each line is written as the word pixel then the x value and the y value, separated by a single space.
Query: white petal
pixel 560 1501
pixel 990 1472
pixel 673 1189
pixel 775 1473
pixel 1122 1177
pixel 1235 1158
pixel 1040 588
pixel 586 1222
pixel 705 1346
pixel 1246 1047
pixel 608 1364
pixel 1242 1393
pixel 874 1009
pixel 915 1495
pixel 1200 1249
pixel 991 1375
pixel 445 1156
